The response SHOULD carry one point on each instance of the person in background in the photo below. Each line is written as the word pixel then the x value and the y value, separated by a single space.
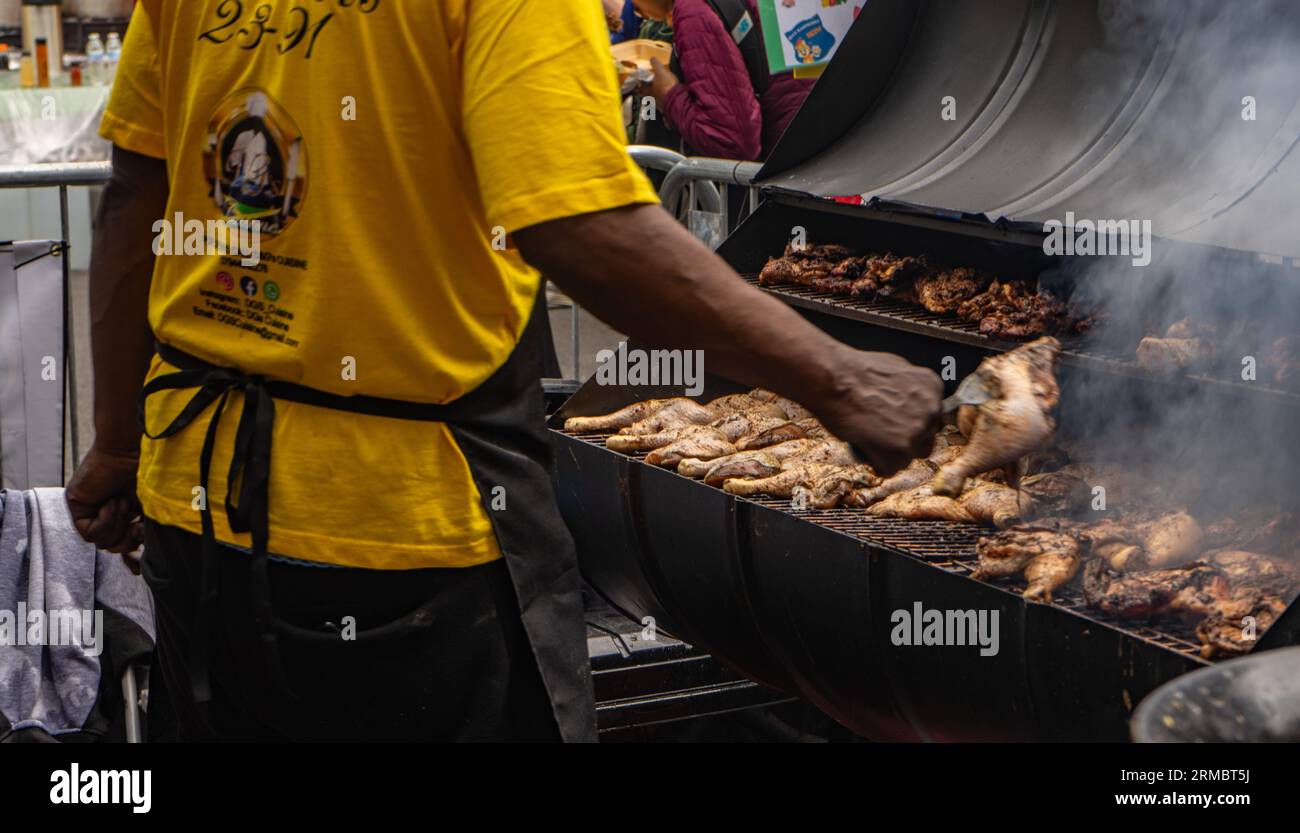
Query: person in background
pixel 624 25
pixel 715 104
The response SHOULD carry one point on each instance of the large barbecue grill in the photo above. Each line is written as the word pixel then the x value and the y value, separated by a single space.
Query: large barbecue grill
pixel 803 600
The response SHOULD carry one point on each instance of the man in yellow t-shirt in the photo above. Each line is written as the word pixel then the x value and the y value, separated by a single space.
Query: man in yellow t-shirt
pixel 318 256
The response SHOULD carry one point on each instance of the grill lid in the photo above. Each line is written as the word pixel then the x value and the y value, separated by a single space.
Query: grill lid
pixel 1110 109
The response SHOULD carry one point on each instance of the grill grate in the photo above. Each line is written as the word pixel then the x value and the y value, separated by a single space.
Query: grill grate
pixel 915 319
pixel 948 546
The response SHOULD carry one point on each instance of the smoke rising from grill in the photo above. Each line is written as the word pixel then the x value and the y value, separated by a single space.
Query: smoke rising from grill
pixel 1219 448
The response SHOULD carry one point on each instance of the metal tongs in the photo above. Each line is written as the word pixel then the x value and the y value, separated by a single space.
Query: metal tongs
pixel 973 390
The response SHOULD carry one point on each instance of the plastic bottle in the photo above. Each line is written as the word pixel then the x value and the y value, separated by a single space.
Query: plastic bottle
pixel 112 54
pixel 95 60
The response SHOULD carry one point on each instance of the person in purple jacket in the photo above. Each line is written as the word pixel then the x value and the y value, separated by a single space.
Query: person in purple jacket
pixel 714 105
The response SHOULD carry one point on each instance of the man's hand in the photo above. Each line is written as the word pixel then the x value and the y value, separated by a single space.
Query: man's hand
pixel 663 81
pixel 102 501
pixel 889 409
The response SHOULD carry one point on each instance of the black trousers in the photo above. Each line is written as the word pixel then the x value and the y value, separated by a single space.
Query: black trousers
pixel 368 655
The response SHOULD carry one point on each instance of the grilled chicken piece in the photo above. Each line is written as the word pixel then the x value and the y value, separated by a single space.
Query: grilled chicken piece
pixel 993 504
pixel 1165 355
pixel 698 441
pixel 781 484
pixel 1265 573
pixel 742 464
pixel 676 413
pixel 1046 552
pixel 1187 345
pixel 682 412
pixel 1116 543
pixel 749 422
pixel 772 459
pixel 1142 595
pixel 1012 309
pixel 1053 494
pixel 916 473
pixel 1255 530
pixel 1171 540
pixel 630 443
pixel 945 291
pixel 1048 573
pixel 1227 632
pixel 921 503
pixel 621 418
pixel 829 489
pixel 807 428
pixel 1015 421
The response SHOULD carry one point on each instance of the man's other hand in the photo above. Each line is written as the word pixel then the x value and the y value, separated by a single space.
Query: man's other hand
pixel 102 500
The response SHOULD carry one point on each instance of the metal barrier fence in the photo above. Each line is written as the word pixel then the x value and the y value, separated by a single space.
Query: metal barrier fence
pixel 690 182
pixel 62 175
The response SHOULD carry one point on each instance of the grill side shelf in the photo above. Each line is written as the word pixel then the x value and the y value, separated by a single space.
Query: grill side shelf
pixel 918 320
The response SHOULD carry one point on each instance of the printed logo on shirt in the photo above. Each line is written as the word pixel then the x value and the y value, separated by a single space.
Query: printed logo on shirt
pixel 255 161
pixel 225 281
pixel 249 286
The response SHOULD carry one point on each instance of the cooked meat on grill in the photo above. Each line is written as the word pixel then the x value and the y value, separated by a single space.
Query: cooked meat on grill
pixel 1012 309
pixel 631 443
pixel 677 413
pixel 1280 362
pixel 1227 631
pixel 699 442
pixel 1265 573
pixel 828 489
pixel 1015 421
pixel 1046 552
pixel 1142 595
pixel 751 422
pixel 768 461
pixel 1256 529
pixel 623 417
pixel 1118 544
pixel 802 266
pixel 921 504
pixel 807 428
pixel 742 464
pixel 1163 355
pixel 916 473
pixel 781 484
pixel 993 504
pixel 1171 540
pixel 1187 345
pixel 945 291
pixel 1054 493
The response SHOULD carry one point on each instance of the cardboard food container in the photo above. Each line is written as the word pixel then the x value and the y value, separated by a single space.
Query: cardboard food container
pixel 631 55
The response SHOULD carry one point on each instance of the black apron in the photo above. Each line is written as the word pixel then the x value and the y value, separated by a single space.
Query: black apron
pixel 499 427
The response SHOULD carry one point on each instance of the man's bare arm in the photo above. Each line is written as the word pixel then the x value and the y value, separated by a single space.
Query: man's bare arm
pixel 101 494
pixel 640 271
pixel 121 269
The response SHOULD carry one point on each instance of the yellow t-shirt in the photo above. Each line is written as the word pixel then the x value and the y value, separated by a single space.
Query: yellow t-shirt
pixel 384 146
